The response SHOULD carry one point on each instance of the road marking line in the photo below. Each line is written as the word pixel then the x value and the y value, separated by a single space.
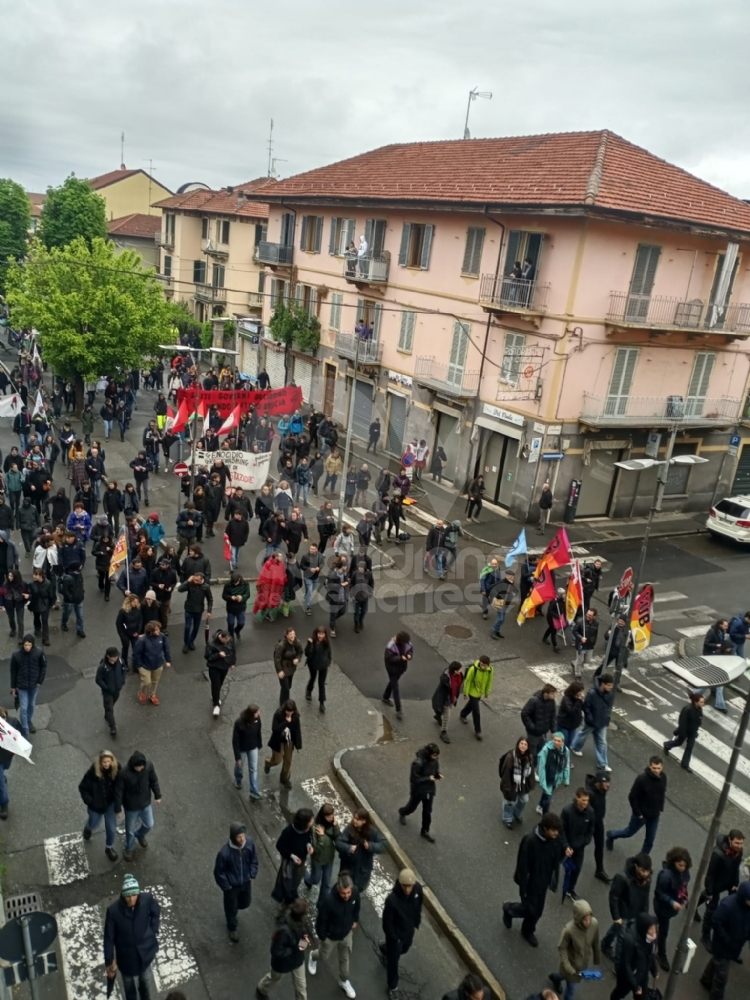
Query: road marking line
pixel 66 859
pixel 662 651
pixel 670 595
pixel 80 938
pixel 649 693
pixel 174 963
pixel 693 631
pixel 725 721
pixel 715 746
pixel 321 790
pixel 708 774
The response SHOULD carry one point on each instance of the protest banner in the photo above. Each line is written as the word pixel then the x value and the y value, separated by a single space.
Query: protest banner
pixel 641 618
pixel 246 469
pixel 268 402
pixel 12 740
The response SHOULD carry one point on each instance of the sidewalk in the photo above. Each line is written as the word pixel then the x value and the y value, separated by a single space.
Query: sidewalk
pixel 499 530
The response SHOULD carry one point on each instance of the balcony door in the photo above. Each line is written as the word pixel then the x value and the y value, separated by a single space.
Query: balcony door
pixel 459 347
pixel 620 382
pixel 699 380
pixel 642 282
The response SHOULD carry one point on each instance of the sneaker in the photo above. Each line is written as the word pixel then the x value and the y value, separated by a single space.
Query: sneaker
pixel 216 713
pixel 479 736
pixel 312 963
pixel 445 737
pixel 507 919
pixel 573 896
pixel 192 645
pixel 332 633
pixel 531 938
pixel 393 995
pixel 256 796
pixel 608 768
pixel 141 697
pixel 186 649
pixel 234 937
pixel 87 833
pixel 154 700
pixel 347 987
pixel 111 853
pixel 322 706
pixel 508 825
pixel 286 784
pixel 308 611
pixel 113 733
pixel 602 876
pixel 238 784
pixel 557 981
pixel 266 767
pixel 578 753
pixel 464 719
pixel 539 810
pixel 387 701
pixel 32 727
pixel 308 695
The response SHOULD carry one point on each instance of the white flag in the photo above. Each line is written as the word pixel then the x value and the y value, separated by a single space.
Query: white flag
pixel 10 405
pixel 11 740
pixel 39 405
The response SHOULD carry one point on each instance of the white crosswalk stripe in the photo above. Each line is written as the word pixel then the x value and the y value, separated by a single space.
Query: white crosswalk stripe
pixel 80 932
pixel 669 595
pixel 693 631
pixel 66 859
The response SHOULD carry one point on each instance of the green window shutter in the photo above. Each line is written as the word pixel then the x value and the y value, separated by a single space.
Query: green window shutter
pixel 511 364
pixel 334 237
pixel 336 300
pixel 286 293
pixel 406 333
pixel 376 322
pixel 622 372
pixel 303 234
pixel 261 282
pixel 513 250
pixel 313 301
pixel 349 227
pixel 644 269
pixel 473 252
pixel 404 249
pixel 318 233
pixel 360 312
pixel 426 247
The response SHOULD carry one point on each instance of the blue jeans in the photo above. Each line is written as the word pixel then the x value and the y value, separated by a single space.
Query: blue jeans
pixel 513 809
pixel 252 771
pixel 235 621
pixel 718 695
pixel 569 734
pixel 635 824
pixel 499 619
pixel 108 429
pixel 26 703
pixel 320 874
pixel 600 743
pixel 738 648
pixel 138 822
pixel 360 610
pixel 440 564
pixel 546 801
pixel 68 609
pixel 570 990
pixel 22 443
pixel 110 824
pixel 137 986
pixel 4 799
pixel 234 556
pixel 192 625
pixel 309 590
pixel 271 547
pixel 304 489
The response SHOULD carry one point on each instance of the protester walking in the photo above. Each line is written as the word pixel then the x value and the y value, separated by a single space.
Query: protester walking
pixel 72 593
pixel 579 948
pixel 338 918
pixel 516 770
pixel 110 678
pixel 221 657
pixel 318 659
pixel 628 897
pixel 723 875
pixel 247 740
pixel 198 597
pixel 325 832
pixel 28 669
pixel 402 916
pixel 539 716
pixel 136 783
pixel 131 929
pixel 42 598
pixel 647 798
pixel 235 867
pixel 128 625
pixel 236 594
pixel 570 712
pixel 286 656
pixel 294 845
pixel 423 777
pixel 398 654
pixel 446 695
pixel 688 726
pixel 537 870
pixel 151 654
pixel 290 940
pixel 97 789
pixel 598 786
pixel 671 895
pixel 357 846
pixel 578 821
pixel 546 500
pixel 584 634
pixel 286 737
pixel 731 932
pixel 553 768
pixel 477 686
pixel 502 598
pixel 635 962
pixel 597 712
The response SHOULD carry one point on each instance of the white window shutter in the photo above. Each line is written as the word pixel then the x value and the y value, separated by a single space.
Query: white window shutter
pixel 426 247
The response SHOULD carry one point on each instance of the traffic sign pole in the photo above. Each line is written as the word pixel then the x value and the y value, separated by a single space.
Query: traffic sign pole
pixel 30 966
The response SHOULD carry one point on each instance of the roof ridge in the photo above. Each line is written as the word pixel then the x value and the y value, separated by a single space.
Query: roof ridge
pixel 597 171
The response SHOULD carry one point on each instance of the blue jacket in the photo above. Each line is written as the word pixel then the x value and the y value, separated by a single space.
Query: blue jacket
pixel 155 531
pixel 731 925
pixel 738 630
pixel 235 866
pixel 490 580
pixel 130 934
pixel 597 706
pixel 668 886
pixel 70 554
pixel 282 427
pixel 296 424
pixel 151 652
pixel 80 524
pixel 138 582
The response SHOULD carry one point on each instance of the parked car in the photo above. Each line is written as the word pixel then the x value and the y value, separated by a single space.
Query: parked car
pixel 731 519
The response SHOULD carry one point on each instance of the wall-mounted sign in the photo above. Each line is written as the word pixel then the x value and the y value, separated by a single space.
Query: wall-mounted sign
pixel 498 413
pixel 396 378
pixel 535 449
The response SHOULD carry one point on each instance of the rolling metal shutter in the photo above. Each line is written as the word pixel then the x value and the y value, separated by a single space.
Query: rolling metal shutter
pixel 303 375
pixel 248 356
pixel 396 424
pixel 362 408
pixel 275 367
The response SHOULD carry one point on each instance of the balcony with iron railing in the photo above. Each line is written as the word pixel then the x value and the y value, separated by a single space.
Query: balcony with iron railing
pixel 516 295
pixel 664 312
pixel 164 240
pixel 210 293
pixel 659 411
pixel 449 379
pixel 275 253
pixel 370 351
pixel 368 270
pixel 214 248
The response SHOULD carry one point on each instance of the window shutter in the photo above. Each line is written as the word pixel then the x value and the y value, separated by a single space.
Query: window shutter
pixel 336 300
pixel 334 238
pixel 225 231
pixel 378 238
pixel 473 252
pixel 406 334
pixel 699 380
pixel 402 333
pixel 360 311
pixel 313 301
pixel 298 293
pixel 368 232
pixel 318 233
pixel 404 249
pixel 511 364
pixel 376 322
pixel 286 293
pixel 348 233
pixel 261 282
pixel 303 235
pixel 623 371
pixel 513 250
pixel 644 269
pixel 426 246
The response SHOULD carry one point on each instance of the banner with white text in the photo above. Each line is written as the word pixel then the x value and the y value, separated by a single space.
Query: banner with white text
pixel 246 469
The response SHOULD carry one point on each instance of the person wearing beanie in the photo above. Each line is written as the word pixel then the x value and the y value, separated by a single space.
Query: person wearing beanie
pixel 402 915
pixel 628 897
pixel 110 677
pixel 131 930
pixel 135 784
pixel 423 778
pixel 150 610
pixel 236 865
pixel 97 789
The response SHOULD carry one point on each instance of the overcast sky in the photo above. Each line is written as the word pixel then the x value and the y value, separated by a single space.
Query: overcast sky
pixel 194 84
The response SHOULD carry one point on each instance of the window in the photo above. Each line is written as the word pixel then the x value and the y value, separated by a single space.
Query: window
pixel 342 234
pixel 311 236
pixel 369 313
pixel 524 248
pixel 218 276
pixel 222 230
pixel 261 282
pixel 416 242
pixel 167 269
pixel 277 292
pixel 698 387
pixel 307 297
pixel 678 475
pixel 169 227
pixel 459 347
pixel 375 237
pixel 642 281
pixel 406 333
pixel 473 252
pixel 199 272
pixel 287 229
pixel 513 349
pixel 204 228
pixel 621 381
pixel 337 300
pixel 261 233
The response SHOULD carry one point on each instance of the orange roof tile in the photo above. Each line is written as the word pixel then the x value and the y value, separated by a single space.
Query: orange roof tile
pixel 37 200
pixel 103 180
pixel 223 202
pixel 590 170
pixel 138 224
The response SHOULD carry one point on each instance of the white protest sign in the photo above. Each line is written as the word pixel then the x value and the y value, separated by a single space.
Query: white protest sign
pixel 11 740
pixel 247 470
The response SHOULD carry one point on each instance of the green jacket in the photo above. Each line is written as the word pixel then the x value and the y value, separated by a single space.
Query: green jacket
pixel 478 683
pixel 324 850
pixel 87 421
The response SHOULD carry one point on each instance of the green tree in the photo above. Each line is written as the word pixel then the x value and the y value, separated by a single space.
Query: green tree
pixel 98 312
pixel 294 326
pixel 74 209
pixel 15 219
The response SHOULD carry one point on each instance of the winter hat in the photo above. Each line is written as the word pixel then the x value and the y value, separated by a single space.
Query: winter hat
pixel 601 776
pixel 235 830
pixel 407 877
pixel 150 595
pixel 558 736
pixel 153 517
pixel 130 886
pixel 102 519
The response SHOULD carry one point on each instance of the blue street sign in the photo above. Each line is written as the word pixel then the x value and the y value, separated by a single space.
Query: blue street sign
pixel 734 441
pixel 553 456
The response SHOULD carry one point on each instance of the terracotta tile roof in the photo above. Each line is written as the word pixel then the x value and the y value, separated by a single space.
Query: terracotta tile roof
pixel 223 202
pixel 103 180
pixel 145 226
pixel 259 182
pixel 595 170
pixel 37 200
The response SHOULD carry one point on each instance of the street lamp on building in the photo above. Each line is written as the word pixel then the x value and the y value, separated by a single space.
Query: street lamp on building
pixel 473 95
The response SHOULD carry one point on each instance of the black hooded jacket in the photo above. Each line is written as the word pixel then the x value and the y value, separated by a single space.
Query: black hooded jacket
pixel 402 913
pixel 647 794
pixel 627 896
pixel 597 798
pixel 538 715
pixel 423 769
pixel 27 670
pixel 538 865
pixel 133 789
pixel 636 960
pixel 723 868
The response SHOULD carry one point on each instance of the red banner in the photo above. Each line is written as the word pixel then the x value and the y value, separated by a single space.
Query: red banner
pixel 268 402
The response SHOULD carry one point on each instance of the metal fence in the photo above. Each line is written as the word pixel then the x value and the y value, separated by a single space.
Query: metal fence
pixel 637 411
pixel 513 293
pixel 369 351
pixel 688 314
pixel 274 253
pixel 446 378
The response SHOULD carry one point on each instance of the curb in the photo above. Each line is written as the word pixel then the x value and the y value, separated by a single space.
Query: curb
pixel 465 950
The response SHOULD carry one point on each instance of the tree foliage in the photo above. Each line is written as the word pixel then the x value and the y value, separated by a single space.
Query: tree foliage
pixel 98 312
pixel 15 219
pixel 72 210
pixel 293 326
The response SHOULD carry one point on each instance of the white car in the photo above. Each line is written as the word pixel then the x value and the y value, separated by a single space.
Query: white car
pixel 731 518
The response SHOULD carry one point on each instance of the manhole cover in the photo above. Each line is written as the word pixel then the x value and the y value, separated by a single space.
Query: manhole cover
pixel 458 631
pixel 16 906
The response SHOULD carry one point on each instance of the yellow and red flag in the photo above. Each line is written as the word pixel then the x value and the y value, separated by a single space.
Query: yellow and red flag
pixel 641 618
pixel 120 554
pixel 557 553
pixel 574 593
pixel 544 590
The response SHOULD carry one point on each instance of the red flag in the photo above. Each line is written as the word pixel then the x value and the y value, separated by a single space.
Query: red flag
pixel 544 590
pixel 232 421
pixel 556 554
pixel 227 548
pixel 180 421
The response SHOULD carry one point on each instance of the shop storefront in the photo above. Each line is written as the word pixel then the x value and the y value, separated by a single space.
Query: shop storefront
pixel 500 435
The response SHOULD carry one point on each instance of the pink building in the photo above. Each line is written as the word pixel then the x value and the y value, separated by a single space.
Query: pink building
pixel 539 307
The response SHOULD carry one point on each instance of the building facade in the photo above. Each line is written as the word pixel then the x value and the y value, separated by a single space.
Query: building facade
pixel 539 307
pixel 137 232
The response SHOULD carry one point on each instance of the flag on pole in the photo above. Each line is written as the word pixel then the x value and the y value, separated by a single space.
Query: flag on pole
pixel 10 406
pixel 557 553
pixel 169 422
pixel 12 741
pixel 574 593
pixel 35 356
pixel 38 405
pixel 544 590
pixel 227 548
pixel 181 420
pixel 232 421
pixel 120 554
pixel 517 548
pixel 641 618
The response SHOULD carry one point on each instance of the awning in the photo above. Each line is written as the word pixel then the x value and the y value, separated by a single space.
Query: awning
pixel 499 428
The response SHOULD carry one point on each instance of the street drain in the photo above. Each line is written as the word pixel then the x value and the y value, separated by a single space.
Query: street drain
pixel 458 631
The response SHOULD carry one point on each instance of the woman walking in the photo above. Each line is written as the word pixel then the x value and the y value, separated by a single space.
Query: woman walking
pixel 294 846
pixel 325 832
pixel 570 712
pixel 337 586
pixel 446 695
pixel 671 896
pixel 247 739
pixel 220 657
pixel 286 737
pixel 318 657
pixel 128 625
pixel 688 727
pixel 516 781
pixel 14 594
pixel 97 789
pixel 357 846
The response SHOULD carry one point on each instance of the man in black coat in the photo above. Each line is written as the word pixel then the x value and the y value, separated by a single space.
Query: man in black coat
pixel 591 576
pixel 110 677
pixel 578 830
pixel 131 931
pixel 423 778
pixel 731 926
pixel 402 915
pixel 688 727
pixel 647 797
pixel 236 865
pixel 537 869
pixel 28 668
pixel 598 786
pixel 628 896
pixel 538 716
pixel 723 875
pixel 338 917
pixel 135 784
pixel 289 942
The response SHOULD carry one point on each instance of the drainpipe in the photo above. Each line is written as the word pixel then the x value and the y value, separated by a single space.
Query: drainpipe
pixel 468 477
pixel 287 349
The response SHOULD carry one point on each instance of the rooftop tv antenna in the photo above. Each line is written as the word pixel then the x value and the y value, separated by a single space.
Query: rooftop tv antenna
pixel 473 95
